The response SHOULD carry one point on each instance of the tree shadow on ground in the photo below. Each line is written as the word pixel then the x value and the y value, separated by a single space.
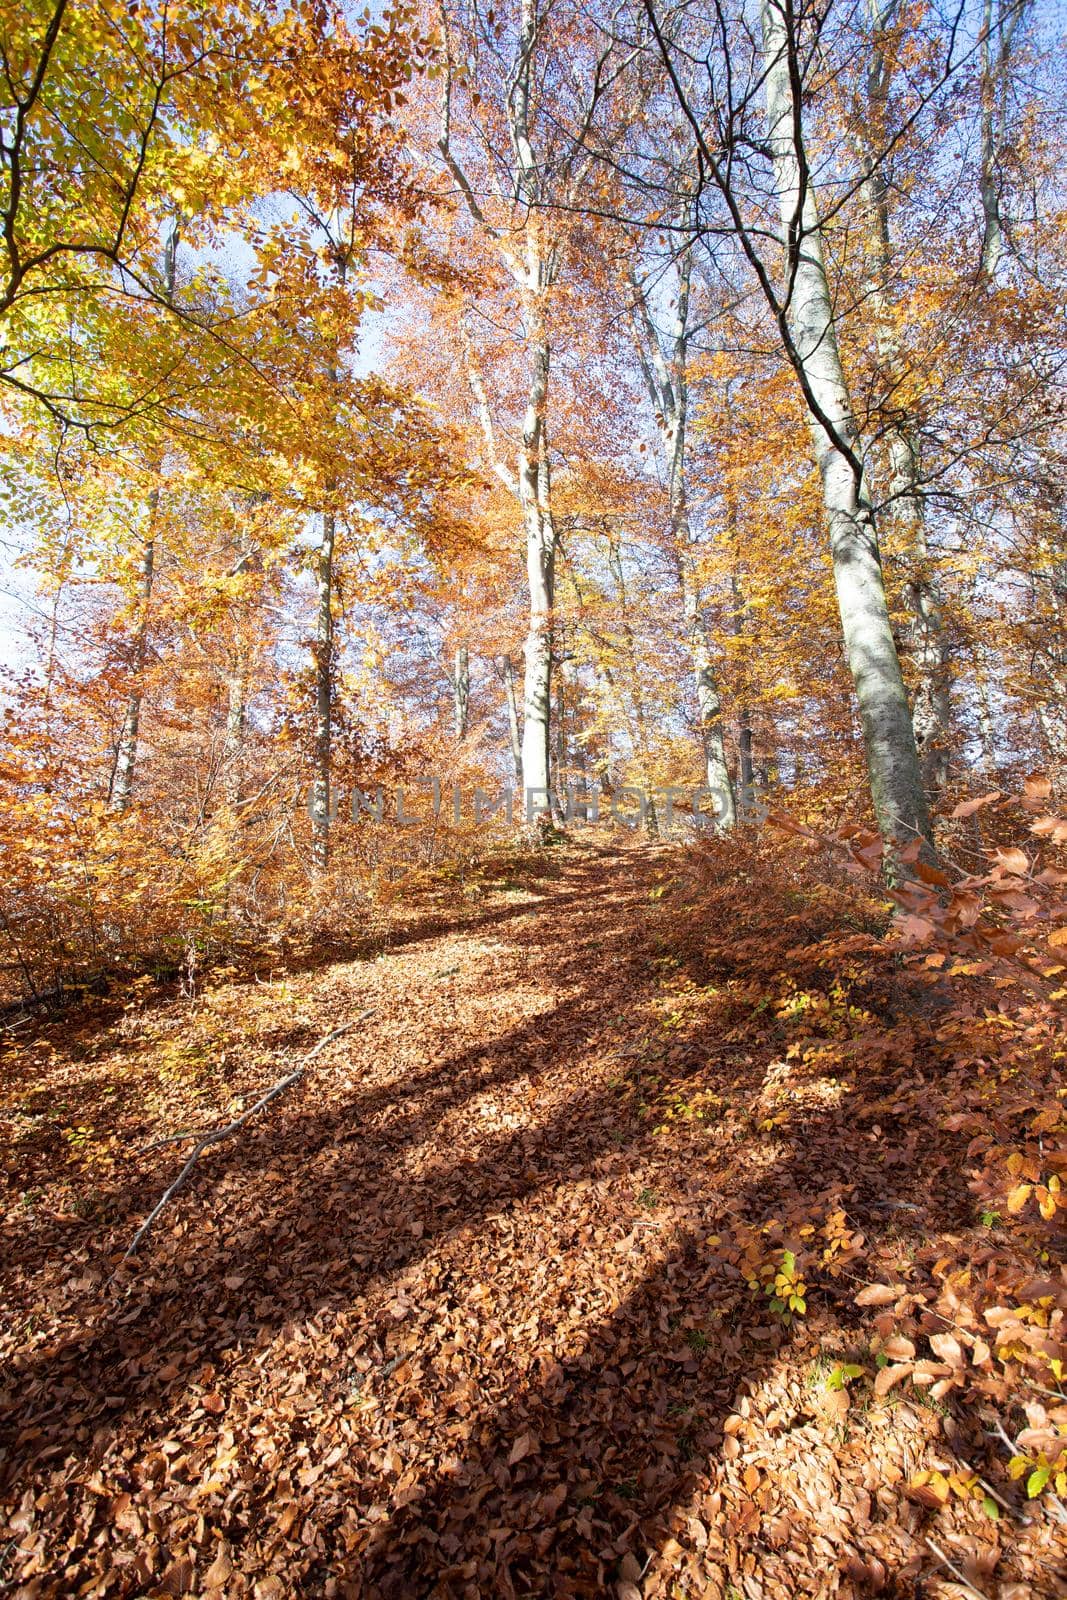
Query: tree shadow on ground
pixel 519 1444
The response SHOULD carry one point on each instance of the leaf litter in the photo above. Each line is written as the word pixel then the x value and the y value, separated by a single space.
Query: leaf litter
pixel 630 1247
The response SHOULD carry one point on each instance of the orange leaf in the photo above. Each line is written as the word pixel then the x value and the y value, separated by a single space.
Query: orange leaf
pixel 948 1347
pixel 899 1349
pixel 889 1377
pixel 879 1294
pixel 967 808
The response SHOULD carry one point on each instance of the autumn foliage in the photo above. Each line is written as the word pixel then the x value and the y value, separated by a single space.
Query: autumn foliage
pixel 533 799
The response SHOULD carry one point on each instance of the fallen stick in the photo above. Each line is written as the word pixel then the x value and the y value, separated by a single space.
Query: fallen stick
pixel 217 1135
pixel 960 1578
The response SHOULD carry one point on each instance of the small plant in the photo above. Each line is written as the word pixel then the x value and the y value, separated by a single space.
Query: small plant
pixel 784 1287
pixel 1040 1472
pixel 843 1374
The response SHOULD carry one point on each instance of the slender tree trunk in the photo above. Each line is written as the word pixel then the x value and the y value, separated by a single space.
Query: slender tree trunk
pixel 234 738
pixel 668 385
pixel 926 640
pixel 1050 660
pixel 533 271
pixel 534 493
pixel 637 725
pixel 709 705
pixel 745 770
pixel 988 186
pixel 987 733
pixel 561 735
pixel 122 776
pixel 126 754
pixel 461 691
pixel 506 672
pixel 870 650
pixel 323 654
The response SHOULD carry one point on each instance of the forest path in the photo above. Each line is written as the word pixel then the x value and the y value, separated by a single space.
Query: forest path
pixel 456 1316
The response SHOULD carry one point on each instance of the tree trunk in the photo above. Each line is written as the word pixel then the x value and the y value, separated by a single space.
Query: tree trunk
pixel 746 775
pixel 926 640
pixel 121 792
pixel 506 672
pixel 668 386
pixel 533 270
pixel 987 731
pixel 323 654
pixel 889 741
pixel 709 706
pixel 1050 667
pixel 561 736
pixel 637 725
pixel 234 739
pixel 461 691
pixel 126 753
pixel 534 493
pixel 988 186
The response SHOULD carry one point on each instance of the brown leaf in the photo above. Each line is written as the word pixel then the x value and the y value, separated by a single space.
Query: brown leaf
pixel 888 1377
pixel 527 1444
pixel 879 1294
pixel 948 1348
pixel 220 1569
pixel 899 1349
pixel 967 808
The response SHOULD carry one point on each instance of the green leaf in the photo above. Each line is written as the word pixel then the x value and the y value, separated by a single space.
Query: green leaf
pixel 1037 1480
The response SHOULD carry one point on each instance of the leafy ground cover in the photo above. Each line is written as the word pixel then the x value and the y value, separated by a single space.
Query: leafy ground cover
pixel 662 1232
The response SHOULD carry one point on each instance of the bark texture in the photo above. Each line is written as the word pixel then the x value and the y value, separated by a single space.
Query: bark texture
pixel 323 656
pixel 870 649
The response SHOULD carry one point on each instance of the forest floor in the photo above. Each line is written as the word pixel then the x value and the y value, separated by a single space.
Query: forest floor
pixel 475 1309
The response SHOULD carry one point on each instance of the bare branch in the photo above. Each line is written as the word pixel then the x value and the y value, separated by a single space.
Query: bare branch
pixel 227 1130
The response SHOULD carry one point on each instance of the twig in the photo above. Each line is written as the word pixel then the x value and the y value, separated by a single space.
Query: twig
pixel 171 1138
pixel 217 1135
pixel 955 1571
pixel 988 1487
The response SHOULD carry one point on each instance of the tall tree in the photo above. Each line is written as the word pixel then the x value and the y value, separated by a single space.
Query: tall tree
pixel 803 308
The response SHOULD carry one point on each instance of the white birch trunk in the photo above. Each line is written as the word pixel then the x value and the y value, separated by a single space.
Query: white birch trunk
pixel 889 741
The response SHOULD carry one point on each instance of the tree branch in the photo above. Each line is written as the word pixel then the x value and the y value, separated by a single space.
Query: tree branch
pixel 227 1130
